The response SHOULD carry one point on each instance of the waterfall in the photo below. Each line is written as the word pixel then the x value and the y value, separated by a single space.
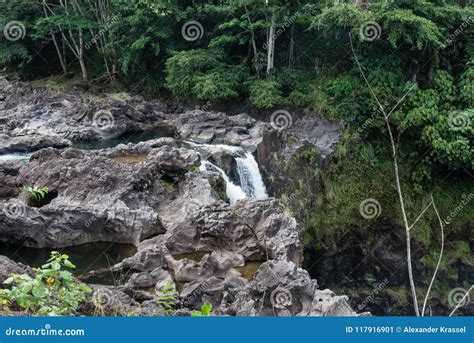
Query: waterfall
pixel 233 191
pixel 250 178
pixel 251 181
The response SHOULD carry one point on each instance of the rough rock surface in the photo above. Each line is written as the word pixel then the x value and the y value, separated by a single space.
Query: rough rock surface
pixel 243 258
pixel 216 127
pixel 8 267
pixel 34 118
pixel 99 199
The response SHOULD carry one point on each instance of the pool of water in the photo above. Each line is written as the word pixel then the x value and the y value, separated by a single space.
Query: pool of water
pixel 127 137
pixel 88 257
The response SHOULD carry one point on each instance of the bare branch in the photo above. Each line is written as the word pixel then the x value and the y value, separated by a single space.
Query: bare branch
pixel 441 225
pixel 462 300
pixel 421 214
pixel 397 181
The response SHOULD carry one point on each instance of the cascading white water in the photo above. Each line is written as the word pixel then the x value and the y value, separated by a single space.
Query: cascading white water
pixel 233 191
pixel 15 157
pixel 251 181
pixel 250 178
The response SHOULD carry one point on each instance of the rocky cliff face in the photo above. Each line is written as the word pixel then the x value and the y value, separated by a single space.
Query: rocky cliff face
pixel 244 258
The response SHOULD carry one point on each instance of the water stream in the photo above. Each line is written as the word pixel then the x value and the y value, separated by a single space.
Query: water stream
pixel 250 180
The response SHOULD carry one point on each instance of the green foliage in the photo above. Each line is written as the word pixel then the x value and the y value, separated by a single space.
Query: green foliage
pixel 265 93
pixel 51 291
pixel 206 310
pixel 35 193
pixel 201 74
pixel 167 299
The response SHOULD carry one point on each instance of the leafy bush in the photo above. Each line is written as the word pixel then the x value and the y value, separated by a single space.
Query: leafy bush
pixel 52 291
pixel 265 93
pixel 201 74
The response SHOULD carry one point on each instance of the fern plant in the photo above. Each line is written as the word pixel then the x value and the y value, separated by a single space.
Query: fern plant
pixel 167 299
pixel 35 193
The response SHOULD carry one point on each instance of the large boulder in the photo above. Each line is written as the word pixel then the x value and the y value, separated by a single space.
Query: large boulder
pixel 281 288
pixel 216 127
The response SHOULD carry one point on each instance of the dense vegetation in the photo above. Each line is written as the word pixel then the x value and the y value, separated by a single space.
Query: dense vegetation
pixel 283 53
pixel 418 56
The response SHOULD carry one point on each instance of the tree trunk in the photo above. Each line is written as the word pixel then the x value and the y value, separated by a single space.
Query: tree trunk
pixel 56 45
pixel 291 52
pixel 271 43
pixel 85 76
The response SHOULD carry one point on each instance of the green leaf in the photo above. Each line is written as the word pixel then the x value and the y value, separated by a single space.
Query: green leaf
pixel 206 309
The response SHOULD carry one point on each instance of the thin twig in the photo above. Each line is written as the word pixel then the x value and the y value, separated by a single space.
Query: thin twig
pixel 462 300
pixel 440 256
pixel 421 214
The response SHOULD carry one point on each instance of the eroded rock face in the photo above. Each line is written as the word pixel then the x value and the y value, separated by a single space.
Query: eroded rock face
pixel 35 118
pixel 243 258
pixel 97 198
pixel 214 127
